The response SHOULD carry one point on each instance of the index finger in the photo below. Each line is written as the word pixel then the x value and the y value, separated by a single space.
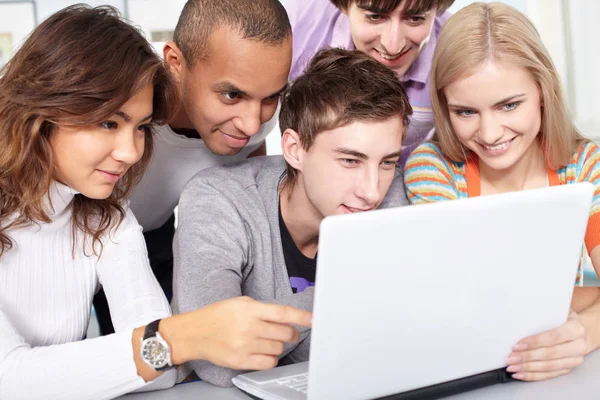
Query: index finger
pixel 284 315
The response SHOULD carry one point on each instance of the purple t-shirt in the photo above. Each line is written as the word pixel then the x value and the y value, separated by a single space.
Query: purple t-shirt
pixel 318 24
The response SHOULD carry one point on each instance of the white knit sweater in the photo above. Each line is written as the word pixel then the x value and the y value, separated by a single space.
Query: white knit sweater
pixel 45 305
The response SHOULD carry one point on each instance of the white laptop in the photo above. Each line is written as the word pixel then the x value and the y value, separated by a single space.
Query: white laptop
pixel 427 301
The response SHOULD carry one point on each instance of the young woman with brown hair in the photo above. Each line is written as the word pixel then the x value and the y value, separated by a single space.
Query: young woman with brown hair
pixel 77 105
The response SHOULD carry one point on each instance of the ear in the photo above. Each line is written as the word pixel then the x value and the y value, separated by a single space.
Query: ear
pixel 175 61
pixel 291 148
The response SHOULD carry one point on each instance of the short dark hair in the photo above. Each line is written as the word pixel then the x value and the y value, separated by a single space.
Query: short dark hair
pixel 264 21
pixel 340 87
pixel 385 6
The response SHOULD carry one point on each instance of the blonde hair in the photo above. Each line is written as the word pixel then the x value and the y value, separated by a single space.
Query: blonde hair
pixel 494 31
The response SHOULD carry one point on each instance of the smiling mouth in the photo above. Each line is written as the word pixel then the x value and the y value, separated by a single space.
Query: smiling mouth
pixel 234 136
pixel 499 146
pixel 392 57
pixel 119 174
pixel 355 210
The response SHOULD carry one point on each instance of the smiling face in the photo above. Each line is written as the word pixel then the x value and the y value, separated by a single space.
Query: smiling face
pixel 228 96
pixel 350 168
pixel 92 159
pixel 395 38
pixel 496 113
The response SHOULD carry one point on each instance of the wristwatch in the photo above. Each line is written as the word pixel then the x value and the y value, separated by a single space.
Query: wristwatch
pixel 155 350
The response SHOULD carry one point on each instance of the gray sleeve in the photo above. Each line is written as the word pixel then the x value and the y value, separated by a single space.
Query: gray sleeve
pixel 211 250
pixel 396 195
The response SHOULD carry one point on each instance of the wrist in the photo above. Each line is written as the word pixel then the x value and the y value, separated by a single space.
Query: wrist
pixel 591 322
pixel 143 369
pixel 174 332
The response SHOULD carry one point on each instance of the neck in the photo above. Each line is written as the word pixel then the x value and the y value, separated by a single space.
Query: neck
pixel 182 124
pixel 527 173
pixel 58 198
pixel 301 219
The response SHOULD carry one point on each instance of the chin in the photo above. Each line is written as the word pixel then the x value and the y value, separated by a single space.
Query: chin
pixel 222 149
pixel 499 164
pixel 400 71
pixel 97 193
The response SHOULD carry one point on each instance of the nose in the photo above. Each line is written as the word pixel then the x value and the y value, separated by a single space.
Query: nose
pixel 490 130
pixel 392 37
pixel 249 121
pixel 368 186
pixel 129 146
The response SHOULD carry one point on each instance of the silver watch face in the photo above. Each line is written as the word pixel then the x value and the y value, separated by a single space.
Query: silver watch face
pixel 155 353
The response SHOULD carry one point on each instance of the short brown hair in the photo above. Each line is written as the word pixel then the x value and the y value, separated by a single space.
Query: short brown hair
pixel 77 68
pixel 385 6
pixel 340 87
pixel 264 21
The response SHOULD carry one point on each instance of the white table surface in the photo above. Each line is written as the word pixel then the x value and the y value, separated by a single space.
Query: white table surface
pixel 581 384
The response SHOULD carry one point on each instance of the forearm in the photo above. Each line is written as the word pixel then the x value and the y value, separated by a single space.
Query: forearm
pixel 590 318
pixel 96 368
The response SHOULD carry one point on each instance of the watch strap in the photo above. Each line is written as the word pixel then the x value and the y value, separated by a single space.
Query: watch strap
pixel 151 329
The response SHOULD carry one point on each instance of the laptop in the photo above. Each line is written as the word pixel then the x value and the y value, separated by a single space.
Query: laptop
pixel 426 301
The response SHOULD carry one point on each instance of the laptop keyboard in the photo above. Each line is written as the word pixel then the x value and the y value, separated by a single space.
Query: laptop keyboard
pixel 296 382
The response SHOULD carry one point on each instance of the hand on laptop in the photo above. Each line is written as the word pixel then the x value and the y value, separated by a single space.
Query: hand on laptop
pixel 550 354
pixel 238 333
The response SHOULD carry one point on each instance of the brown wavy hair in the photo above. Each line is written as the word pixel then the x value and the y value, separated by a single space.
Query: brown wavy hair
pixel 77 68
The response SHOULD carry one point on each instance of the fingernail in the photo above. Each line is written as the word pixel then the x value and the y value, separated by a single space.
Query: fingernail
pixel 518 376
pixel 513 360
pixel 513 368
pixel 520 347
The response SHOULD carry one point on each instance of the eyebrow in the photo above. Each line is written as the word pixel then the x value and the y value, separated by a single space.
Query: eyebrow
pixel 503 101
pixel 127 118
pixel 230 87
pixel 358 154
pixel 392 155
pixel 349 152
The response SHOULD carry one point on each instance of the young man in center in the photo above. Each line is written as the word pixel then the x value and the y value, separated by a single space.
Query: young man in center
pixel 230 60
pixel 253 228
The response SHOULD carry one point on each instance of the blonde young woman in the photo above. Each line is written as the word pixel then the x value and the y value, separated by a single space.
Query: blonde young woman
pixel 502 125
pixel 77 105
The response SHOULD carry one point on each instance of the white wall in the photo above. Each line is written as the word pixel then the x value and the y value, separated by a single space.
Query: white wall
pixel 585 64
pixel 16 19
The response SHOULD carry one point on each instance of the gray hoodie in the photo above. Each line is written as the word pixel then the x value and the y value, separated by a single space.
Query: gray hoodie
pixel 228 244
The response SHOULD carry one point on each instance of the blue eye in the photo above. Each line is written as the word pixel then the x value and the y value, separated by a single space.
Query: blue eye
pixel 511 106
pixel 465 113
